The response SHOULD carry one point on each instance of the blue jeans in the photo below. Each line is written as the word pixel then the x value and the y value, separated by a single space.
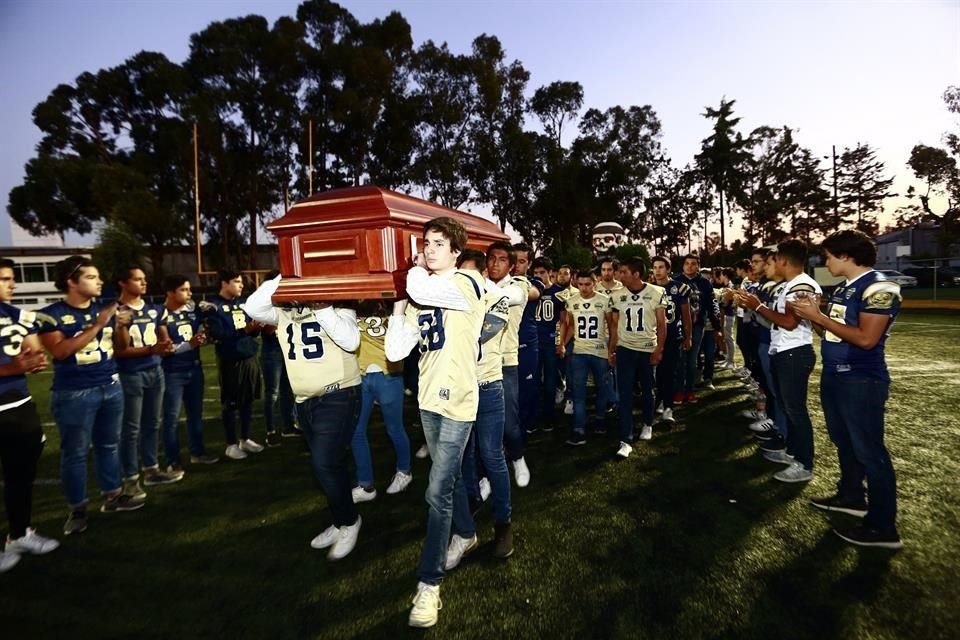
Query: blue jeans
pixel 599 368
pixel 568 370
pixel 549 375
pixel 709 346
pixel 185 387
pixel 774 409
pixel 446 495
pixel 85 417
pixel 142 407
pixel 854 408
pixel 791 376
pixel 631 367
pixel 388 391
pixel 529 387
pixel 687 371
pixel 488 438
pixel 514 438
pixel 276 385
pixel 327 422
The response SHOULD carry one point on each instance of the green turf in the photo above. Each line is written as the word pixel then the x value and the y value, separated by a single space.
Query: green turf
pixel 689 538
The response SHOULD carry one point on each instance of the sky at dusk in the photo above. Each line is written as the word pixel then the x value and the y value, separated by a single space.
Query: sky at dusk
pixel 837 72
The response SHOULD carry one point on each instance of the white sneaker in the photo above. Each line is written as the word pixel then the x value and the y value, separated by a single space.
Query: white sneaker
pixel 346 541
pixel 743 372
pixel 459 547
pixel 250 446
pixel 485 489
pixel 668 416
pixel 660 408
pixel 568 408
pixel 708 384
pixel 31 542
pixel 234 452
pixel 753 414
pixel 646 432
pixel 426 606
pixel 762 426
pixel 362 495
pixel 781 457
pixel 558 396
pixel 407 392
pixel 423 452
pixel 794 473
pixel 521 473
pixel 8 560
pixel 625 450
pixel 400 482
pixel 326 538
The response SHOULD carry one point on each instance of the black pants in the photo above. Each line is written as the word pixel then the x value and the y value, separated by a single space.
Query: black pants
pixel 21 441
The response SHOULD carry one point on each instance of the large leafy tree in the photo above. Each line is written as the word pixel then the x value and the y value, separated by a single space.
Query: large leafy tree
pixel 862 186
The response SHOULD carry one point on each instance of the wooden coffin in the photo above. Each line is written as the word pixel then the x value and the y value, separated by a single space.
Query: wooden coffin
pixel 351 244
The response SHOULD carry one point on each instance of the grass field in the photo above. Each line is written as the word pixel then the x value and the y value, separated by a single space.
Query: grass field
pixel 689 538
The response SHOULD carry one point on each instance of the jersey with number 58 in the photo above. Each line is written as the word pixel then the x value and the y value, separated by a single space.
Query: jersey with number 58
pixel 315 363
pixel 91 366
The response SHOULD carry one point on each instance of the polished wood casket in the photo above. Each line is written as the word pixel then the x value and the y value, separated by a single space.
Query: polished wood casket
pixel 355 243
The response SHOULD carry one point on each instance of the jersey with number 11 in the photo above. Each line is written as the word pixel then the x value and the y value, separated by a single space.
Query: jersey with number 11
pixel 637 316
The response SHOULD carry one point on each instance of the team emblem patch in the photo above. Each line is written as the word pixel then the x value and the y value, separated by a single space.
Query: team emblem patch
pixel 67 319
pixel 880 300
pixel 152 313
pixel 635 297
pixel 586 305
pixel 226 307
pixel 444 394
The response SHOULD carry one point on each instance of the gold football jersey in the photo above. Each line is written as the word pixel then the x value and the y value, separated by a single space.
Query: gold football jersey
pixel 511 340
pixel 373 330
pixel 490 367
pixel 315 364
pixel 637 316
pixel 590 324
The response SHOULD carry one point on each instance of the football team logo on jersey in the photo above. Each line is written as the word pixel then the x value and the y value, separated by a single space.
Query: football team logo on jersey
pixel 444 394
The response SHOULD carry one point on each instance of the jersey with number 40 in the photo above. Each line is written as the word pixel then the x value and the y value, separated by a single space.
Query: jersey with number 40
pixel 315 364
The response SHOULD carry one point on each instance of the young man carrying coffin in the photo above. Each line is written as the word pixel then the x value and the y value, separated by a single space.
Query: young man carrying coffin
pixel 445 316
pixel 319 342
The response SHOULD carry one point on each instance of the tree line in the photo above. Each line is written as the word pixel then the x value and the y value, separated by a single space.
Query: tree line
pixel 461 129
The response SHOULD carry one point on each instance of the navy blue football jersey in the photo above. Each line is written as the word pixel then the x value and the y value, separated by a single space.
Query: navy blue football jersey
pixel 15 325
pixel 678 294
pixel 92 366
pixel 548 314
pixel 181 326
pixel 144 332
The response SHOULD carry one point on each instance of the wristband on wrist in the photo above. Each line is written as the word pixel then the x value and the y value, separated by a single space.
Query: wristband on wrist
pixel 760 306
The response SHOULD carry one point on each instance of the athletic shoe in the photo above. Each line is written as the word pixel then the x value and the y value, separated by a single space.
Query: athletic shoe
pixel 780 457
pixel 547 428
pixel 558 396
pixel 646 432
pixel 250 446
pixel 76 522
pixel 624 451
pixel 176 471
pixel 8 561
pixel 667 416
pixel 204 459
pixel 502 541
pixel 423 452
pixel 459 547
pixel 132 488
pixel 273 439
pixel 599 428
pixel 326 538
pixel 521 473
pixel 485 489
pixel 362 494
pixel 234 452
pixel 31 542
pixel 531 431
pixel 794 473
pixel 840 504
pixel 753 414
pixel 346 541
pixel 743 372
pixel 708 385
pixel 660 408
pixel 426 606
pixel 568 408
pixel 576 439
pixel 772 441
pixel 691 397
pixel 678 398
pixel 293 432
pixel 400 482
pixel 762 425
pixel 867 537
pixel 152 477
pixel 121 502
pixel 407 392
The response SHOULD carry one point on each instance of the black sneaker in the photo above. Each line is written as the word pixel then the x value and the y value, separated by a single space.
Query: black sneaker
pixel 867 537
pixel 121 502
pixel 502 541
pixel 531 431
pixel 843 505
pixel 775 443
pixel 576 439
pixel 547 428
pixel 295 432
pixel 76 522
pixel 273 439
pixel 599 428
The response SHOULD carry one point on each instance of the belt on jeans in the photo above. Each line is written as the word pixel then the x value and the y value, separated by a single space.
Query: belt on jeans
pixel 484 385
